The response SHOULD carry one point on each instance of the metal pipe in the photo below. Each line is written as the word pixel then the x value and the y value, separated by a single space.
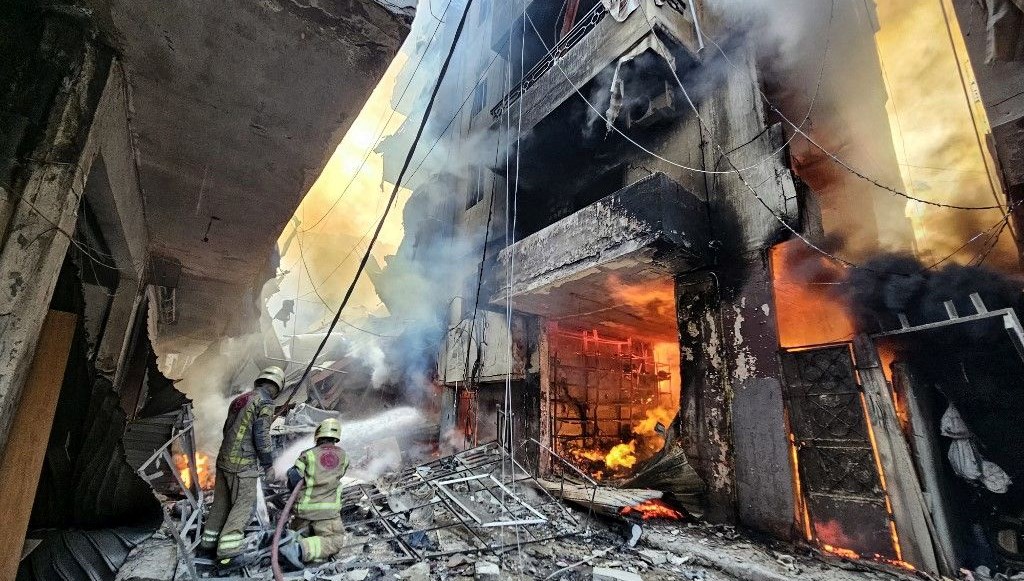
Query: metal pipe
pixel 285 513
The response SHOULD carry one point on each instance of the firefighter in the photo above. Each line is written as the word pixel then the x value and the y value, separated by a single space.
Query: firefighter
pixel 320 469
pixel 245 454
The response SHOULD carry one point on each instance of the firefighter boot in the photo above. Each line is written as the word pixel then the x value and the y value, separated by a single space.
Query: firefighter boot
pixel 291 556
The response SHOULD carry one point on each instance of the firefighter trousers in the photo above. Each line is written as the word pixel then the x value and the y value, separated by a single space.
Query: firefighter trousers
pixel 234 501
pixel 326 538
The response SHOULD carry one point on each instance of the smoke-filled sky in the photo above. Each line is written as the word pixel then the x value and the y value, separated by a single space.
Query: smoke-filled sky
pixel 934 133
pixel 322 258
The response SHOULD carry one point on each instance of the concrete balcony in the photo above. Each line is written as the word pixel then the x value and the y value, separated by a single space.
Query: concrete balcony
pixel 597 42
pixel 647 231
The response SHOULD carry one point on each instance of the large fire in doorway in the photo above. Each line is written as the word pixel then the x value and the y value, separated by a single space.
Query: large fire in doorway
pixel 608 397
pixel 623 457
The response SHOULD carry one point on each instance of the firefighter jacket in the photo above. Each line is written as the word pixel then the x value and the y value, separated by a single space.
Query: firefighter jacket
pixel 321 468
pixel 247 446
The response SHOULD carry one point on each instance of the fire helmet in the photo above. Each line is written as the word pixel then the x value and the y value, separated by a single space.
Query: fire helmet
pixel 273 374
pixel 329 428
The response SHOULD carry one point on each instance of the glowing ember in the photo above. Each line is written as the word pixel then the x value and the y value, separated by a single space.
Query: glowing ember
pixel 650 509
pixel 203 470
pixel 854 555
pixel 841 552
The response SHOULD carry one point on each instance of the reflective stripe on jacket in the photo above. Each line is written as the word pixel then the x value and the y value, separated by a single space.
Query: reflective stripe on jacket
pixel 247 444
pixel 321 468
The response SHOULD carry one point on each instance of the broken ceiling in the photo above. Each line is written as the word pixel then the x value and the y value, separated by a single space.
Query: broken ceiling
pixel 235 108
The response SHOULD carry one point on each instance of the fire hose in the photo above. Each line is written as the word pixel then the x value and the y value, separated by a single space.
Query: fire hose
pixel 285 513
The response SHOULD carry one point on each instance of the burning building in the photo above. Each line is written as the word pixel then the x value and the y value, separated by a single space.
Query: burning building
pixel 633 215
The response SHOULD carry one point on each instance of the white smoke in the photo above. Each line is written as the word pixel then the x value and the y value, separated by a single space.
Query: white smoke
pixel 226 368
pixel 370 442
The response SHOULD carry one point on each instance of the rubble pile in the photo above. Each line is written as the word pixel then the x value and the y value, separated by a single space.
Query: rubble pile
pixel 476 501
pixel 671 550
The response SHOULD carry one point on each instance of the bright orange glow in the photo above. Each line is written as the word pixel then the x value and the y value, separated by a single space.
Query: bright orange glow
pixel 655 299
pixel 881 478
pixel 829 535
pixel 806 310
pixel 887 356
pixel 321 246
pixel 802 515
pixel 624 456
pixel 841 552
pixel 621 456
pixel 650 509
pixel 203 471
pixel 940 129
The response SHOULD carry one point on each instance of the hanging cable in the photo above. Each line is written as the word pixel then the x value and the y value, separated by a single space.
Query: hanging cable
pixel 390 203
pixel 772 211
pixel 383 126
pixel 739 172
pixel 835 158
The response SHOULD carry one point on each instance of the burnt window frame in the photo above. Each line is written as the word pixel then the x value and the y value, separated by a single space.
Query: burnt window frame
pixel 477 189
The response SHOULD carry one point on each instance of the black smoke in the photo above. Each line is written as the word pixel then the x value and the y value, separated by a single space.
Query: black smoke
pixel 973 364
pixel 887 285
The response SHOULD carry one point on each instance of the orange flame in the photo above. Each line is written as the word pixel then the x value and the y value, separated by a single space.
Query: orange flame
pixel 203 471
pixel 854 555
pixel 621 456
pixel 806 309
pixel 841 552
pixel 655 508
pixel 624 456
pixel 653 299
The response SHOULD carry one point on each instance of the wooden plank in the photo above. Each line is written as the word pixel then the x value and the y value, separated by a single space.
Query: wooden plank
pixel 900 476
pixel 25 451
pixel 604 500
pixel 928 457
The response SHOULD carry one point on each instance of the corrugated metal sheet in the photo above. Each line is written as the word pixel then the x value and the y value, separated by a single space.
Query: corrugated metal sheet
pixel 81 555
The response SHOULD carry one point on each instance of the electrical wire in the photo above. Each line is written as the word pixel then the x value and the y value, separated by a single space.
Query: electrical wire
pixel 637 144
pixel 384 125
pixel 779 218
pixel 323 301
pixel 835 158
pixel 390 203
pixel 380 133
pixel 739 172
pixel 514 208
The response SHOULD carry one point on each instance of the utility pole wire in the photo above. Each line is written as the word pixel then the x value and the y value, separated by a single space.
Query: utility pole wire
pixel 391 202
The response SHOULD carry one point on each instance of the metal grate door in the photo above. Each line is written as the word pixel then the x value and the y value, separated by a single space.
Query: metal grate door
pixel 839 480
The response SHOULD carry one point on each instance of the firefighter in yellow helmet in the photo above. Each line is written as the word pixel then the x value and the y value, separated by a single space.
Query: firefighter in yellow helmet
pixel 246 452
pixel 320 469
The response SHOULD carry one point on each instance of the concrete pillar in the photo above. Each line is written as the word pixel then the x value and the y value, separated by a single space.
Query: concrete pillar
pixel 111 350
pixel 762 470
pixel 70 74
pixel 706 394
pixel 733 423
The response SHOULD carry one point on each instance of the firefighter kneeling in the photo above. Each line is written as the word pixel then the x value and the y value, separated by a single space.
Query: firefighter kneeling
pixel 320 469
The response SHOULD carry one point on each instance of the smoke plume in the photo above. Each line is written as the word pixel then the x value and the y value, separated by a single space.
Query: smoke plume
pixel 370 442
pixel 893 284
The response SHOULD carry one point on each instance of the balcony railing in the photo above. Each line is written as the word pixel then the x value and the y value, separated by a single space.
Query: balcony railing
pixel 586 23
pixel 597 41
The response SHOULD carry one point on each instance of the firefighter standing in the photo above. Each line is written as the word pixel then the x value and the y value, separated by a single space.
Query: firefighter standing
pixel 245 453
pixel 320 469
